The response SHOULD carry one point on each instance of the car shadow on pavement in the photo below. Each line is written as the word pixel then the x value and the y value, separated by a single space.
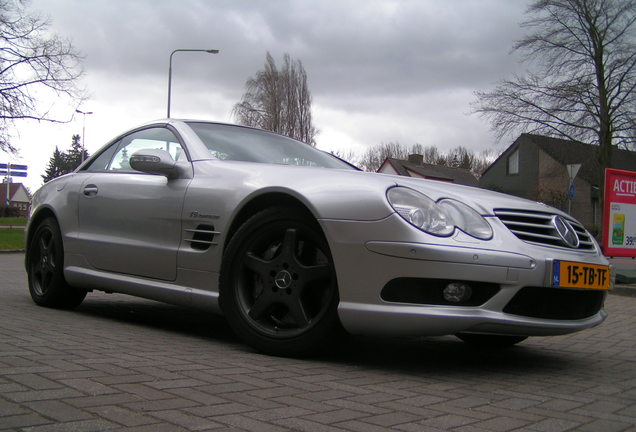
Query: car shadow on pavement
pixel 160 316
pixel 413 355
pixel 450 356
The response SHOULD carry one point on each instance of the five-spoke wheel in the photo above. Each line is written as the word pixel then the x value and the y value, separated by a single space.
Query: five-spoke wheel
pixel 45 257
pixel 278 285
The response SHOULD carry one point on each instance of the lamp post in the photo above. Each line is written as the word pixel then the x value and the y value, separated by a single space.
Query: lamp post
pixel 209 51
pixel 83 131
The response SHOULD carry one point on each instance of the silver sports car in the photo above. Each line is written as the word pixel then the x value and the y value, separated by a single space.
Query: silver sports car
pixel 293 245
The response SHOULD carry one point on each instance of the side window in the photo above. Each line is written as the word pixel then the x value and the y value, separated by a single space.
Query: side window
pixel 103 160
pixel 116 157
pixel 155 138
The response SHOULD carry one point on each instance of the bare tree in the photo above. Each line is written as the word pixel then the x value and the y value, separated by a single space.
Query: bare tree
pixel 373 157
pixel 278 100
pixel 34 65
pixel 584 76
pixel 346 155
pixel 459 157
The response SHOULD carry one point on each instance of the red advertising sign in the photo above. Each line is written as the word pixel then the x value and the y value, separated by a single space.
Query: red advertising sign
pixel 619 213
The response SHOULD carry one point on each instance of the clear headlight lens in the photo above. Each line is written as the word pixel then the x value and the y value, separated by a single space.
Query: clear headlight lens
pixel 467 219
pixel 439 218
pixel 421 211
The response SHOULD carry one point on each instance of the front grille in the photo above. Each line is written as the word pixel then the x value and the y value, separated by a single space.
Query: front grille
pixel 539 228
pixel 555 303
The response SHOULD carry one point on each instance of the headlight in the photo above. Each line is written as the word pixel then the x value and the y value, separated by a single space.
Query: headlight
pixel 467 219
pixel 439 218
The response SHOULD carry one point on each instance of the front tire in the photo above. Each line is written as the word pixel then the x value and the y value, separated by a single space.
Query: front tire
pixel 278 284
pixel 45 264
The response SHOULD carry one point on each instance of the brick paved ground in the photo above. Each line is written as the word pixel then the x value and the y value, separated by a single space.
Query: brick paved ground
pixel 122 364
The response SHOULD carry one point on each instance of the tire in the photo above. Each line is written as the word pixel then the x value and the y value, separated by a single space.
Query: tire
pixel 278 284
pixel 45 265
pixel 490 341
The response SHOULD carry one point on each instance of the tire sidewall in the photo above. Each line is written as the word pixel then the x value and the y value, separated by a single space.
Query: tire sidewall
pixel 312 339
pixel 58 294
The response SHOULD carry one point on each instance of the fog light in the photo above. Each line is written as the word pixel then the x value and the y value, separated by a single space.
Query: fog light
pixel 457 292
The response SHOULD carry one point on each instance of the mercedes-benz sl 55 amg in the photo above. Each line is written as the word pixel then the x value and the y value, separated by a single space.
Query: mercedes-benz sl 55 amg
pixel 293 245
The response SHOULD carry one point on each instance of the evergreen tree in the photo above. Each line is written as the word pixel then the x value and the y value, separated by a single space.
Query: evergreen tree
pixel 56 166
pixel 73 157
pixel 65 162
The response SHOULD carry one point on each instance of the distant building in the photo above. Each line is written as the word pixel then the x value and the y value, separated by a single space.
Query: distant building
pixel 415 167
pixel 534 167
pixel 20 198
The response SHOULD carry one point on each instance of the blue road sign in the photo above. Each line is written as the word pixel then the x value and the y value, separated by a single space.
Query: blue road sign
pixel 14 170
pixel 571 191
pixel 13 173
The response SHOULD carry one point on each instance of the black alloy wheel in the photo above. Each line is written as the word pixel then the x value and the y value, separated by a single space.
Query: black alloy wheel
pixel 45 260
pixel 278 284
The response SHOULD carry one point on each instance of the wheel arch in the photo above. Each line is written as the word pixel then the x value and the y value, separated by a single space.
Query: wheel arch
pixel 265 201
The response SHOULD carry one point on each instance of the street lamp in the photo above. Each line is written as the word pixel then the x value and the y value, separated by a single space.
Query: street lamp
pixel 83 131
pixel 209 51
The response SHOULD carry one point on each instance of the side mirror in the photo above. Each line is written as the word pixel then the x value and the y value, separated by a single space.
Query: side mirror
pixel 154 161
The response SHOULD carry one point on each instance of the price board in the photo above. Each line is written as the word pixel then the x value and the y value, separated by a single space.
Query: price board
pixel 619 213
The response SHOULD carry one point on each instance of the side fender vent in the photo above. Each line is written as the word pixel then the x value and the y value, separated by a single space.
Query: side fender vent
pixel 202 237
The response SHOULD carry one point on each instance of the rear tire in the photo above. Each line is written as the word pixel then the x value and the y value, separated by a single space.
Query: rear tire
pixel 278 284
pixel 45 264
pixel 490 341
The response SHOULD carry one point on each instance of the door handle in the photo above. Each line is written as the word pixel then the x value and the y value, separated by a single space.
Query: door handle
pixel 90 190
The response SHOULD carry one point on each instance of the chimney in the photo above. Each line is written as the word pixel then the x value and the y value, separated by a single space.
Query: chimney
pixel 416 159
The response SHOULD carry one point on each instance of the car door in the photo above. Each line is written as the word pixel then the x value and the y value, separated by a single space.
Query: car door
pixel 129 221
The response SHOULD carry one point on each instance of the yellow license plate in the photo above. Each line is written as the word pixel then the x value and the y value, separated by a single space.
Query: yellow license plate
pixel 570 274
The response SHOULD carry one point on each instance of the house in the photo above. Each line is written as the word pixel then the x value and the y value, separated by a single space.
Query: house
pixel 20 199
pixel 415 167
pixel 534 167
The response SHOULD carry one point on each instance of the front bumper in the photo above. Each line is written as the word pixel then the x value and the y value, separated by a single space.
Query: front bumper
pixel 365 267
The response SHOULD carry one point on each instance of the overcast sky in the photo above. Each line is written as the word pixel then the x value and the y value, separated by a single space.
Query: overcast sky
pixel 379 71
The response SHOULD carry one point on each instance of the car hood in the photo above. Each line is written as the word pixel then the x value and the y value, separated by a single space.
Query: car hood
pixel 483 200
pixel 348 194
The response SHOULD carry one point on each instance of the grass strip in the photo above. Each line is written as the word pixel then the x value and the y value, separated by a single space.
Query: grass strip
pixel 11 238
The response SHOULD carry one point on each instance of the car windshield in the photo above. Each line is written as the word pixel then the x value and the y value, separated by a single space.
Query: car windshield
pixel 237 143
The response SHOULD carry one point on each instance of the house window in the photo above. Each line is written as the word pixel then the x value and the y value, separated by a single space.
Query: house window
pixel 513 163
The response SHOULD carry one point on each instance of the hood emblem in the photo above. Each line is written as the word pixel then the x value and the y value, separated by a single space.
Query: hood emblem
pixel 568 236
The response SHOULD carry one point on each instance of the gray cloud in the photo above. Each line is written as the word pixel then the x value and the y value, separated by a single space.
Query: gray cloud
pixel 411 64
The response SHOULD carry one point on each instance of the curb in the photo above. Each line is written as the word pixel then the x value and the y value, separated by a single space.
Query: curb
pixel 624 290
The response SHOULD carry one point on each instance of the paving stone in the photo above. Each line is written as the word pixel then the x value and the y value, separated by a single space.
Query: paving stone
pixel 76 426
pixel 607 426
pixel 122 416
pixel 502 424
pixel 58 410
pixel 123 364
pixel 22 420
pixel 186 420
pixel 555 425
pixel 250 424
pixel 336 416
pixel 35 381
